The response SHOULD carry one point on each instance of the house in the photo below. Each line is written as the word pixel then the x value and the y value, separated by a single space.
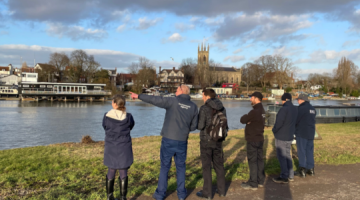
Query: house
pixel 123 80
pixel 6 70
pixel 112 76
pixel 29 77
pixel 170 78
pixel 28 69
pixel 10 80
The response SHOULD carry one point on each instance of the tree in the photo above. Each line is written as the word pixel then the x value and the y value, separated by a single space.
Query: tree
pixel 46 73
pixel 345 74
pixel 81 65
pixel 284 70
pixel 188 67
pixel 145 74
pixel 60 61
pixel 249 74
pixel 265 66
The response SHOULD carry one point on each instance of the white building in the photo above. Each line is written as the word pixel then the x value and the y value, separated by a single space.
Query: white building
pixel 6 71
pixel 219 90
pixel 29 77
pixel 10 80
pixel 171 77
pixel 316 87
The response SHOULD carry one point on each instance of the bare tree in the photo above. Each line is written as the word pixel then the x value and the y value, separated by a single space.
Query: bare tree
pixel 249 74
pixel 345 74
pixel 145 74
pixel 188 67
pixel 265 66
pixel 60 61
pixel 81 65
pixel 284 70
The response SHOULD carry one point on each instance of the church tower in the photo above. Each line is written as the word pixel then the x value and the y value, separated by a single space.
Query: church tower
pixel 203 56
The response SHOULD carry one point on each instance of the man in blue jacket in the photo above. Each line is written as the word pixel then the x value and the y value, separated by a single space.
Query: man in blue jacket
pixel 181 117
pixel 284 130
pixel 305 134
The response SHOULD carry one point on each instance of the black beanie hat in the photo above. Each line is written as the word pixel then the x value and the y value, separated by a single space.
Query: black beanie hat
pixel 286 96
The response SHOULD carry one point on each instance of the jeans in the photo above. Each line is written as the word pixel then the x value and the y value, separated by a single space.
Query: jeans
pixel 211 152
pixel 256 163
pixel 305 149
pixel 170 148
pixel 283 149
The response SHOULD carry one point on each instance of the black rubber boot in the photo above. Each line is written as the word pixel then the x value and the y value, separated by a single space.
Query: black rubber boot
pixel 311 172
pixel 301 173
pixel 123 187
pixel 110 188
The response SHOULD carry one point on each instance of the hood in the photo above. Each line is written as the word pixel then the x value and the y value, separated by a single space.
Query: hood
pixel 116 114
pixel 215 104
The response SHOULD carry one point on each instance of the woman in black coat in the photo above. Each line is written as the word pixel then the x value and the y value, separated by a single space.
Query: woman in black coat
pixel 118 154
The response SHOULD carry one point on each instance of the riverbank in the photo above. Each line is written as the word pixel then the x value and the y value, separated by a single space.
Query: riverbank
pixel 75 170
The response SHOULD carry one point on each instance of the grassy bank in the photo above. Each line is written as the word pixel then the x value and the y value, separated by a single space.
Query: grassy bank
pixel 76 171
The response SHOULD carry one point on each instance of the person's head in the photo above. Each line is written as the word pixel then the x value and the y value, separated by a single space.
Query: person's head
pixel 182 89
pixel 208 94
pixel 302 98
pixel 256 98
pixel 119 102
pixel 286 97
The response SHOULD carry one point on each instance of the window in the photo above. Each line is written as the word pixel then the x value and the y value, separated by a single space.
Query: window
pixel 50 86
pixel 25 85
pixel 31 75
pixel 42 86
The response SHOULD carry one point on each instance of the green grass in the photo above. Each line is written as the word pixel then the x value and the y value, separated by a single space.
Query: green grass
pixel 76 171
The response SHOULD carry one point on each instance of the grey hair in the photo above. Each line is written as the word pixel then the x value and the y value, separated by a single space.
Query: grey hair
pixel 185 89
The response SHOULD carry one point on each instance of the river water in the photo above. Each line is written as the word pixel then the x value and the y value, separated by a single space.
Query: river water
pixel 24 124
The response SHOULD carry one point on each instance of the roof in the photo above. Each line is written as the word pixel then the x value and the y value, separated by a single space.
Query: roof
pixel 45 65
pixel 75 84
pixel 224 69
pixel 6 68
pixel 170 70
pixel 127 75
pixel 28 69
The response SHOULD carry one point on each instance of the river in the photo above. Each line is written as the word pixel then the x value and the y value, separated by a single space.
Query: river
pixel 24 124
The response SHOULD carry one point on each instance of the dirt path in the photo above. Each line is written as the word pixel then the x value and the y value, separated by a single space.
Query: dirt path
pixel 331 182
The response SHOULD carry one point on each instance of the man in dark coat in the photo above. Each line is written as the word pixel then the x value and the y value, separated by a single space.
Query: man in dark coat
pixel 254 136
pixel 305 134
pixel 210 150
pixel 284 130
pixel 181 117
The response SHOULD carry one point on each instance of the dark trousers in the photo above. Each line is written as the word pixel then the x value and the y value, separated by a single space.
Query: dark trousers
pixel 283 152
pixel 305 150
pixel 211 152
pixel 256 163
pixel 177 149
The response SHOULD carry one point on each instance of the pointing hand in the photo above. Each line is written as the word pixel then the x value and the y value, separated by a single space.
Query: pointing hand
pixel 134 96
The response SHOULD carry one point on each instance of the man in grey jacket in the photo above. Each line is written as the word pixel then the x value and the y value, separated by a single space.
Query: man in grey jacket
pixel 181 117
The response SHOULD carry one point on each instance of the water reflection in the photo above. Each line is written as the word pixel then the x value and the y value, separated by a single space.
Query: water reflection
pixel 41 123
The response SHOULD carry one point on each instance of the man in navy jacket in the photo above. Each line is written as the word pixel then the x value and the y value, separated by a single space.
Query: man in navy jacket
pixel 305 134
pixel 181 117
pixel 284 130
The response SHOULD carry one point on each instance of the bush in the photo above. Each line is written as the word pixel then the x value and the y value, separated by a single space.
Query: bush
pixel 288 89
pixel 355 93
pixel 87 139
pixel 264 89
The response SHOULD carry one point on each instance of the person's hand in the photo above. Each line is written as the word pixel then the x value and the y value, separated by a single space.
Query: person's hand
pixel 134 96
pixel 249 123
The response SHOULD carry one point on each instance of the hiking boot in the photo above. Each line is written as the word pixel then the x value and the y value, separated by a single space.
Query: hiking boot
pixel 260 185
pixel 200 194
pixel 311 172
pixel 123 187
pixel 246 186
pixel 110 188
pixel 280 180
pixel 301 173
pixel 291 179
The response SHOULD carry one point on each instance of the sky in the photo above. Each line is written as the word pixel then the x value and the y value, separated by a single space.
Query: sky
pixel 313 34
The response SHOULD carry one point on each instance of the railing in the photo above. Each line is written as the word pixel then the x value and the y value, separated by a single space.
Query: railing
pixel 89 92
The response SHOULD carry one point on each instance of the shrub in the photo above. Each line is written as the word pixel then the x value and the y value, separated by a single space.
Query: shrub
pixel 87 139
pixel 288 89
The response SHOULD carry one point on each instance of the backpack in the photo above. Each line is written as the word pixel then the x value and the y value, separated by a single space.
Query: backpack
pixel 218 127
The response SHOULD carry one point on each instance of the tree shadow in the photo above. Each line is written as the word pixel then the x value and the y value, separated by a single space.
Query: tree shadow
pixel 274 190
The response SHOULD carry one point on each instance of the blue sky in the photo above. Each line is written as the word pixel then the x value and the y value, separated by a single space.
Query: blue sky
pixel 313 34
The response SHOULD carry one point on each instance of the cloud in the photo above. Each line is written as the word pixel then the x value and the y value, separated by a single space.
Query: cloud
pixel 331 56
pixel 184 27
pixel 237 51
pixel 350 43
pixel 219 46
pixel 75 32
pixel 121 28
pixel 288 51
pixel 108 59
pixel 234 58
pixel 304 73
pixel 204 40
pixel 176 37
pixel 145 23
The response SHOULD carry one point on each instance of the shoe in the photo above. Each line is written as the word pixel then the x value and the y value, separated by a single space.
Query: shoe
pixel 123 187
pixel 301 173
pixel 220 195
pixel 260 185
pixel 311 172
pixel 200 194
pixel 291 179
pixel 110 188
pixel 246 186
pixel 280 180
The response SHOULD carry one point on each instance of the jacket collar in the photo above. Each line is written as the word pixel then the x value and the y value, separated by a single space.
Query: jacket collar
pixel 287 103
pixel 184 96
pixel 305 103
pixel 258 105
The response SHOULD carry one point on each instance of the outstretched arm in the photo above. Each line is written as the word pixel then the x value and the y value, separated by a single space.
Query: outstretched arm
pixel 162 102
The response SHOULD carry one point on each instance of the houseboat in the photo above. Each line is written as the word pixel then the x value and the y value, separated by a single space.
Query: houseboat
pixel 8 91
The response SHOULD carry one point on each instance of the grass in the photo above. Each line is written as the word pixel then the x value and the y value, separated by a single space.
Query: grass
pixel 76 170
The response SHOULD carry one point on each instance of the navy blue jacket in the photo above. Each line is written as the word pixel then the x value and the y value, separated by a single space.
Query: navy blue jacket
pixel 305 123
pixel 118 152
pixel 181 115
pixel 284 127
